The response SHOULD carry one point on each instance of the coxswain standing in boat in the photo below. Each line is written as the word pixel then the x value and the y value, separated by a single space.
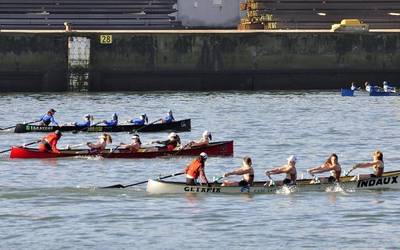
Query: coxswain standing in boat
pixel 331 164
pixel 49 142
pixel 204 140
pixel 388 88
pixel 289 169
pixel 142 120
pixel 113 122
pixel 246 170
pixel 377 165
pixel 48 118
pixel 169 118
pixel 196 169
pixel 101 145
pixel 88 118
pixel 134 146
pixel 173 142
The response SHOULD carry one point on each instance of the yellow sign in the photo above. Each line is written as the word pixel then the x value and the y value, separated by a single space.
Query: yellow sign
pixel 106 39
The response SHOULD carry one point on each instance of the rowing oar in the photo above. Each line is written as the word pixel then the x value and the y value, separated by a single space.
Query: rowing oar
pixel 272 183
pixel 84 128
pixel 27 144
pixel 144 126
pixel 16 125
pixel 142 182
pixel 351 170
pixel 112 151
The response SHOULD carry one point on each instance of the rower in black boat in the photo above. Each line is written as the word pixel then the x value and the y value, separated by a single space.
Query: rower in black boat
pixel 169 118
pixel 48 118
pixel 289 169
pixel 247 172
pixel 86 123
pixel 377 165
pixel 330 165
pixel 142 120
pixel 113 122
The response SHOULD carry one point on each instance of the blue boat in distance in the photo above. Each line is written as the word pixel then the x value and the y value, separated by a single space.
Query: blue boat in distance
pixel 349 92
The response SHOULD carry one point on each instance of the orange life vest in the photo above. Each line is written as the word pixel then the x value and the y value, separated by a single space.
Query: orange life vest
pixel 193 170
pixel 49 143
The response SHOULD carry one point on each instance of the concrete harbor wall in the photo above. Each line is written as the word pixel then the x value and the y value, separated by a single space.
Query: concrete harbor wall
pixel 204 60
pixel 33 62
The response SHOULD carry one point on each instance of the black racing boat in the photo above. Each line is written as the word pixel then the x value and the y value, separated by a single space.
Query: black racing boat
pixel 176 126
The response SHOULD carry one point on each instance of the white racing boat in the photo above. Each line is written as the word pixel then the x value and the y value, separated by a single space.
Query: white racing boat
pixel 389 180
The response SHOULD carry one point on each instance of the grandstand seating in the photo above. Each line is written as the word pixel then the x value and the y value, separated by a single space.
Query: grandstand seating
pixel 87 14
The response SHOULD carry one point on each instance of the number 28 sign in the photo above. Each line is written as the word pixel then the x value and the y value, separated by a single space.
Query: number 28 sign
pixel 105 39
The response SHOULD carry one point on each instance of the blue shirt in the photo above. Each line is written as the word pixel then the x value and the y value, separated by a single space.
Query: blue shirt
pixel 169 119
pixel 137 121
pixel 82 124
pixel 111 123
pixel 47 119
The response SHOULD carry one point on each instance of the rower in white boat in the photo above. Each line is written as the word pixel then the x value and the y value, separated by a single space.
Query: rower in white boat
pixel 330 165
pixel 196 169
pixel 289 169
pixel 246 170
pixel 377 165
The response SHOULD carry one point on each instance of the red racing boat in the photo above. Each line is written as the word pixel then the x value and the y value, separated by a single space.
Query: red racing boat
pixel 223 148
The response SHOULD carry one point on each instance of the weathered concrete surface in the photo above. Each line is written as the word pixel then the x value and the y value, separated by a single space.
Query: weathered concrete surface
pixel 33 62
pixel 204 61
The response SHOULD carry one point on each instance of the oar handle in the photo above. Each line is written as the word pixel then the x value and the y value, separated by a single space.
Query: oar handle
pixel 16 125
pixel 27 144
pixel 142 182
pixel 137 130
pixel 85 128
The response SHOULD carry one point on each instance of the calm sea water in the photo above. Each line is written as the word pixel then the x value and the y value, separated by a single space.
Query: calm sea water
pixel 54 204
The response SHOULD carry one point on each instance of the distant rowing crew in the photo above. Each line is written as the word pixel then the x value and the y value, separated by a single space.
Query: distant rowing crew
pixel 48 119
pixel 195 171
pixel 371 88
pixel 173 142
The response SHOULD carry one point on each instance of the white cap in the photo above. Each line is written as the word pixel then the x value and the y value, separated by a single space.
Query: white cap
pixel 206 133
pixel 87 116
pixel 135 137
pixel 172 135
pixel 203 155
pixel 292 158
pixel 385 83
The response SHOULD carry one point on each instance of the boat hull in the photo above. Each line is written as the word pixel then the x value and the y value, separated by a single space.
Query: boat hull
pixel 390 180
pixel 177 126
pixel 224 148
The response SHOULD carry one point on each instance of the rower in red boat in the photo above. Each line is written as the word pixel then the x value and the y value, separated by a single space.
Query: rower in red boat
pixel 49 142
pixel 377 165
pixel 196 169
pixel 174 141
pixel 204 140
pixel 246 170
pixel 134 146
pixel 289 169
pixel 331 164
pixel 101 145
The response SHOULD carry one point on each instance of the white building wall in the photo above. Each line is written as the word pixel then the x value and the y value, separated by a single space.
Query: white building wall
pixel 209 13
